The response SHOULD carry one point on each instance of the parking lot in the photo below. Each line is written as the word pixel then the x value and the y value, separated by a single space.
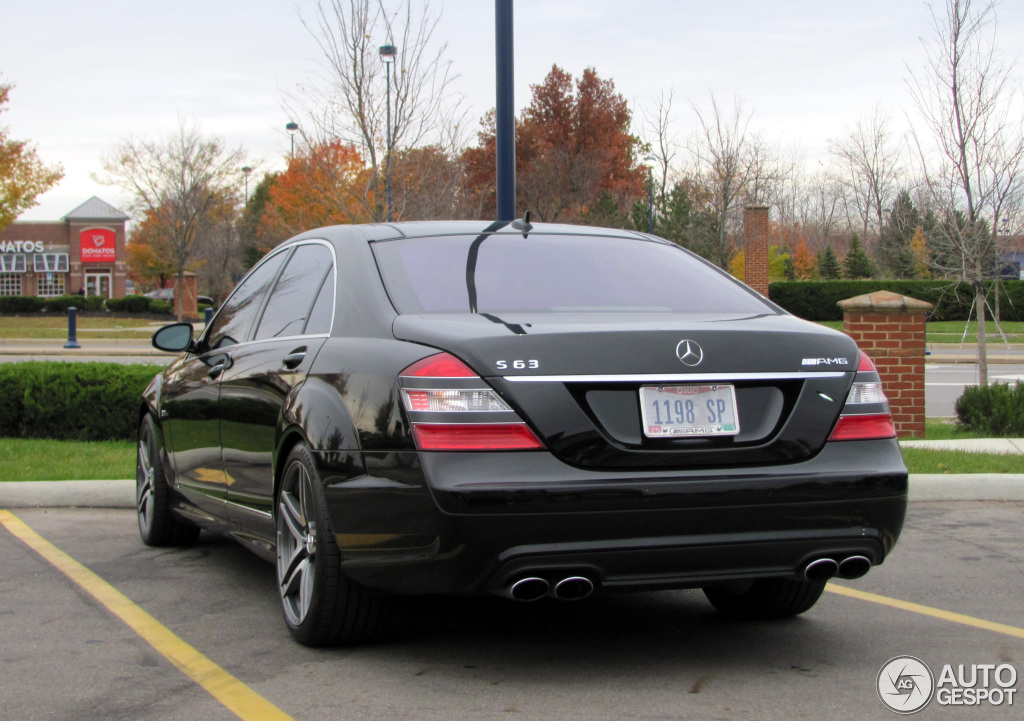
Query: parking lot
pixel 665 655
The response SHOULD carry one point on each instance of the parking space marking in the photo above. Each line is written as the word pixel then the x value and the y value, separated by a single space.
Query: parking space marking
pixel 228 690
pixel 927 611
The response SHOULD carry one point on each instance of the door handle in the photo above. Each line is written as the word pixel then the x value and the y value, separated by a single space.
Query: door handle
pixel 293 359
pixel 222 364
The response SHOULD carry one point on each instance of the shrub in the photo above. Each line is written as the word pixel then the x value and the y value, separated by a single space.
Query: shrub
pixel 61 303
pixel 138 304
pixel 71 401
pixel 996 410
pixel 20 304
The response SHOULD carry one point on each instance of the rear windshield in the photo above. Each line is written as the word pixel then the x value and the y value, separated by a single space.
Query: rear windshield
pixel 553 273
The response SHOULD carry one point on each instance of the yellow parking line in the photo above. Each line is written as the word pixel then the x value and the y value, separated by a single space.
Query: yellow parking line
pixel 235 695
pixel 928 611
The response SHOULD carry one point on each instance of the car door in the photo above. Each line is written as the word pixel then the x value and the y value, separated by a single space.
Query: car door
pixel 291 330
pixel 190 408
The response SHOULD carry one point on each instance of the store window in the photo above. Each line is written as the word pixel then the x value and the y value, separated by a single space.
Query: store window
pixel 50 262
pixel 10 284
pixel 50 285
pixel 12 263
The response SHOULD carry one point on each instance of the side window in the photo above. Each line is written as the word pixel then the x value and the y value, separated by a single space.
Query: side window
pixel 323 309
pixel 292 298
pixel 235 319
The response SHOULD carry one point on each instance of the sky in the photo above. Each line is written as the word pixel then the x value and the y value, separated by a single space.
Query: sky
pixel 88 74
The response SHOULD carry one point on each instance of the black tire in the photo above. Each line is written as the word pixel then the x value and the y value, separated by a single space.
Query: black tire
pixel 321 607
pixel 157 525
pixel 765 598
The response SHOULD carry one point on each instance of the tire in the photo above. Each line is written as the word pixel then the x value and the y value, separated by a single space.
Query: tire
pixel 765 598
pixel 157 525
pixel 321 607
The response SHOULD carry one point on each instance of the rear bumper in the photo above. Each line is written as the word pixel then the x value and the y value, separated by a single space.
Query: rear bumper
pixel 468 523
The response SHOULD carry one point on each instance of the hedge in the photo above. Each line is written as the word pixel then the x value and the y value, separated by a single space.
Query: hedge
pixel 72 401
pixel 129 304
pixel 817 300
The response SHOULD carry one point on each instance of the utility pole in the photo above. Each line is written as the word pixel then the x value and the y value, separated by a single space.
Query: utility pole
pixel 505 110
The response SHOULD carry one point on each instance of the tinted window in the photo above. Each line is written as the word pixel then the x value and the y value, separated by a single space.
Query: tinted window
pixel 235 319
pixel 290 302
pixel 322 315
pixel 553 273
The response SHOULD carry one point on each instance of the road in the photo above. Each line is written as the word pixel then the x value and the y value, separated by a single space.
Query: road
pixel 660 655
pixel 945 382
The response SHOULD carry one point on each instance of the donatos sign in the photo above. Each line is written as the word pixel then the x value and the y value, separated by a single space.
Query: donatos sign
pixel 97 246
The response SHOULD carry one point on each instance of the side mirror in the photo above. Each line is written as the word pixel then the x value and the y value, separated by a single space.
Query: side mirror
pixel 174 338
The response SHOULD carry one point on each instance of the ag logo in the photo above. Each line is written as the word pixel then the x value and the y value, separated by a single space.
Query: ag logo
pixel 905 685
pixel 689 353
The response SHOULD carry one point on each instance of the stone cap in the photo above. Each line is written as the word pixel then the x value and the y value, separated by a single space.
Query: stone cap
pixel 885 301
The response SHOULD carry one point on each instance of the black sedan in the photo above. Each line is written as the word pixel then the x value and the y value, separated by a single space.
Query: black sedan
pixel 534 411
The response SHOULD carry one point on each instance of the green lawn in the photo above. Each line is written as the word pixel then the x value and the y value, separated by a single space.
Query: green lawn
pixel 56 326
pixel 952 331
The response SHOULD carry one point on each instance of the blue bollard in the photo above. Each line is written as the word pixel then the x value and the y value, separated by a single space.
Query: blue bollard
pixel 72 329
pixel 207 315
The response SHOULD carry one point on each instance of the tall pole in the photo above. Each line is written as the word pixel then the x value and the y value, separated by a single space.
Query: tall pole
pixel 505 111
pixel 387 161
pixel 650 199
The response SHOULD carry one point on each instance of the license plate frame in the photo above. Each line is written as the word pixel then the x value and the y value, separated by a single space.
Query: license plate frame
pixel 688 403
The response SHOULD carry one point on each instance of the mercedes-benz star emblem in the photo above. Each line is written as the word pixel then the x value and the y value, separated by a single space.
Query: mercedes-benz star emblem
pixel 689 353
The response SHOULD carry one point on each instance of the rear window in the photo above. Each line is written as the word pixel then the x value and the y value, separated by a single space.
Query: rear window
pixel 553 273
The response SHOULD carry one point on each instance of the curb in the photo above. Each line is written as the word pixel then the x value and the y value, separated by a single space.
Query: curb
pixel 121 494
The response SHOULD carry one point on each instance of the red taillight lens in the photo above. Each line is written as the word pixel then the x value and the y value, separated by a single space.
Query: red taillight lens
pixel 863 428
pixel 474 437
pixel 866 364
pixel 442 365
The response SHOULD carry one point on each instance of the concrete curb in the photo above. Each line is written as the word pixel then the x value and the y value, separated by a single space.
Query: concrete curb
pixel 121 494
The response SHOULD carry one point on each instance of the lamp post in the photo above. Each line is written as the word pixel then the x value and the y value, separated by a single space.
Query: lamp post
pixel 388 54
pixel 650 160
pixel 245 171
pixel 292 127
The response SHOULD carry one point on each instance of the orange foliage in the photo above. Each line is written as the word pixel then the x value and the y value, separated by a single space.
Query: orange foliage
pixel 805 263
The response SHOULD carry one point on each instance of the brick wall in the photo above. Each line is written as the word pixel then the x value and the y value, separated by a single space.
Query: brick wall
pixel 755 247
pixel 890 328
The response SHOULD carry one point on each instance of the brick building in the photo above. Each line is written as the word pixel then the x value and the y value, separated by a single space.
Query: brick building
pixel 83 250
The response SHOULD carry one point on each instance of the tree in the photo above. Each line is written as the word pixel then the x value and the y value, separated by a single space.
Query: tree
pixel 805 263
pixel 893 249
pixel 922 256
pixel 573 144
pixel 349 102
pixel 253 245
pixel 856 264
pixel 179 184
pixel 23 176
pixel 969 99
pixel 828 265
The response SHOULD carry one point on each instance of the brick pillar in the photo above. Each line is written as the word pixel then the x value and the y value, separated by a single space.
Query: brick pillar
pixel 187 300
pixel 755 247
pixel 890 328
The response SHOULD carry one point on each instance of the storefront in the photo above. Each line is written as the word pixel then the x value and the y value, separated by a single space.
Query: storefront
pixel 81 252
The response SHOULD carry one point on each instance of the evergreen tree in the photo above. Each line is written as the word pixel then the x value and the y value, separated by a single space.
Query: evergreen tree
pixel 856 264
pixel 828 265
pixel 893 250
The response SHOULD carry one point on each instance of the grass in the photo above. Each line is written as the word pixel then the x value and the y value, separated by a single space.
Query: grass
pixel 952 331
pixel 56 326
pixel 30 459
pixel 919 460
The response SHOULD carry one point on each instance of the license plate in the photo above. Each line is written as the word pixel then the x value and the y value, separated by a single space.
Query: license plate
pixel 691 410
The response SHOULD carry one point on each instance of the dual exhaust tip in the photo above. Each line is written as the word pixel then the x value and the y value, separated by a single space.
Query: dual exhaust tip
pixel 534 588
pixel 826 568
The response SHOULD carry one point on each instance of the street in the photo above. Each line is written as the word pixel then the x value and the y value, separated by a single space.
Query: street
pixel 659 655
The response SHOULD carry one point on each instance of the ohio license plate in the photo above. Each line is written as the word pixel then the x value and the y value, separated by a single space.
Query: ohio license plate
pixel 691 410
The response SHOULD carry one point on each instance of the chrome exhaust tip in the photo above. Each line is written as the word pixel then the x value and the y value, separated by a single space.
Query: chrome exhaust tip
pixel 529 589
pixel 854 567
pixel 573 588
pixel 821 570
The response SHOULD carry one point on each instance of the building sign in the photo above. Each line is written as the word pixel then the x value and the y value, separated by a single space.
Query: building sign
pixel 97 245
pixel 22 246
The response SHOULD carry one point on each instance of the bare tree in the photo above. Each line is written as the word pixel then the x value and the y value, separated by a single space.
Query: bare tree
pixel 658 134
pixel 972 157
pixel 180 181
pixel 869 163
pixel 349 99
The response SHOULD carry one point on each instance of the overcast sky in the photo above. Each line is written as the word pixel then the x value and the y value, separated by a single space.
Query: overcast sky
pixel 90 73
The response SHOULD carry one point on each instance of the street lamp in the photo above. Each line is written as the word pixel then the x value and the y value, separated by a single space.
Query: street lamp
pixel 245 171
pixel 650 160
pixel 292 127
pixel 388 54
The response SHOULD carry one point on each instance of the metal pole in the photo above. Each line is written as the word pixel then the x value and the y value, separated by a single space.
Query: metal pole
pixel 387 161
pixel 650 204
pixel 505 111
pixel 72 329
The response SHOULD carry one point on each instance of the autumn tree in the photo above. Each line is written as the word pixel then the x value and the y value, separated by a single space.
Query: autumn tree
pixel 969 97
pixel 23 176
pixel 348 101
pixel 324 184
pixel 573 144
pixel 805 263
pixel 178 183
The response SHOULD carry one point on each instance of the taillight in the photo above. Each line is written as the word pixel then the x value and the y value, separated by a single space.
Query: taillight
pixel 865 415
pixel 451 408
